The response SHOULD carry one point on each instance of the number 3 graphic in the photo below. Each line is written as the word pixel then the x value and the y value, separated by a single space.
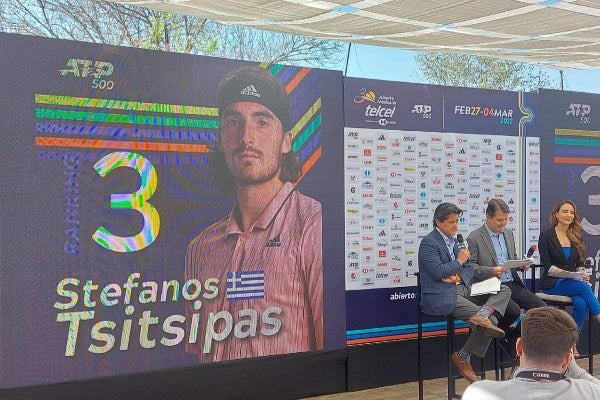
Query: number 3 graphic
pixel 136 201
pixel 593 199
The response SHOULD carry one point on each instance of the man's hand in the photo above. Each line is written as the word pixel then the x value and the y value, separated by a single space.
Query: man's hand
pixel 451 279
pixel 463 256
pixel 498 271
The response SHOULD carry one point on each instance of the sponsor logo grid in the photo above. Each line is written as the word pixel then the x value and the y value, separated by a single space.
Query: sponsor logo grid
pixel 395 179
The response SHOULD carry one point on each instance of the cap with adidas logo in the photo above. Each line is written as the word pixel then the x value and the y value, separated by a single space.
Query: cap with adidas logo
pixel 256 85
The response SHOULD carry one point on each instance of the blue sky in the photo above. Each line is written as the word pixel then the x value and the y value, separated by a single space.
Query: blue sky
pixel 399 65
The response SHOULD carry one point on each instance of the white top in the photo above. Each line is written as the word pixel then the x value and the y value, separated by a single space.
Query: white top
pixel 578 384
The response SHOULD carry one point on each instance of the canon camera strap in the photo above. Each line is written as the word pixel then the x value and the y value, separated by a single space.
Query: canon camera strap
pixel 540 375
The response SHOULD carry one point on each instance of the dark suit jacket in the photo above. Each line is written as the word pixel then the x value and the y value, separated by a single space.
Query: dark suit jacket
pixel 483 255
pixel 435 263
pixel 551 253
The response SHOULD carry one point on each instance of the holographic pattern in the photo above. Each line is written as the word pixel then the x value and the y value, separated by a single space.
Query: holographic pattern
pixel 136 201
pixel 73 318
pixel 71 115
pixel 114 104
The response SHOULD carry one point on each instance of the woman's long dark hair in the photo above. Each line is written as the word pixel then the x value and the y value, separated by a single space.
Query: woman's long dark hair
pixel 574 231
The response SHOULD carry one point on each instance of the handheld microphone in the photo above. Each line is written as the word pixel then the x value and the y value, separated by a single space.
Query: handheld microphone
pixel 531 250
pixel 461 242
pixel 587 269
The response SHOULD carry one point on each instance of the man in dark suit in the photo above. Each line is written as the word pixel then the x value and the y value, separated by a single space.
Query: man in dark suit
pixel 491 246
pixel 445 288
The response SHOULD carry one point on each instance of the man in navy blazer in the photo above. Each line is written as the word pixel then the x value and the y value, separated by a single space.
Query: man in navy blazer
pixel 491 246
pixel 445 288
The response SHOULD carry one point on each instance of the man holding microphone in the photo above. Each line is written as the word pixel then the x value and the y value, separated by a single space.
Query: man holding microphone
pixel 445 288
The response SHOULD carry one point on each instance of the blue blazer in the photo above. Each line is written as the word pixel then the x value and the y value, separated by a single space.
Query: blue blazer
pixel 435 263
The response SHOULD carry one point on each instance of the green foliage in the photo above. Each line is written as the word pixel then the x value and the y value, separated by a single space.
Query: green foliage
pixel 453 69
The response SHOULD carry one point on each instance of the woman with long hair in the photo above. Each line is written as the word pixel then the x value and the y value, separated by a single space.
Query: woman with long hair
pixel 562 250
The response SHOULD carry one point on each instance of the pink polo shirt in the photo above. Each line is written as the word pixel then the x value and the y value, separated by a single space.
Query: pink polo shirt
pixel 275 291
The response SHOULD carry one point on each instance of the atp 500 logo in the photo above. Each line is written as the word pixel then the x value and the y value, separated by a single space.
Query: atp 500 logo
pixel 582 111
pixel 97 70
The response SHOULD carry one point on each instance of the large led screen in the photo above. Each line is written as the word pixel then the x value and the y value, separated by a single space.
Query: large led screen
pixel 163 210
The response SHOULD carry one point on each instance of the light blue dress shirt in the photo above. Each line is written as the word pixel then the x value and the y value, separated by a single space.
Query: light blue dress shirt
pixel 499 242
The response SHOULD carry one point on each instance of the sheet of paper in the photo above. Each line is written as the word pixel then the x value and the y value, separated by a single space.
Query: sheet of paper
pixel 517 264
pixel 491 285
pixel 570 275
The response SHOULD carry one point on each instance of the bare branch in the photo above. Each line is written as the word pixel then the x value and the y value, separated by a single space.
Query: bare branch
pixel 121 24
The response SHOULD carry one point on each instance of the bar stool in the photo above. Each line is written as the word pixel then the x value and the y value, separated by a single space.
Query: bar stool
pixel 562 302
pixel 500 364
pixel 450 324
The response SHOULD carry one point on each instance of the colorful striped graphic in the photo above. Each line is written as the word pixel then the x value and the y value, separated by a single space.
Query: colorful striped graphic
pixel 119 124
pixel 113 104
pixel 578 147
pixel 72 115
pixel 306 132
pixel 82 129
pixel 120 145
pixel 97 129
pixel 401 332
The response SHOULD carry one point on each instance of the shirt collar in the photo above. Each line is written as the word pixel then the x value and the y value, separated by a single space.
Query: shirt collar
pixel 265 218
pixel 448 240
pixel 490 231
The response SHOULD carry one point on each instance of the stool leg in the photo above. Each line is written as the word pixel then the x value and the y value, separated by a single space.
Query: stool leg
pixel 481 368
pixel 419 337
pixel 450 342
pixel 497 357
pixel 419 353
pixel 590 348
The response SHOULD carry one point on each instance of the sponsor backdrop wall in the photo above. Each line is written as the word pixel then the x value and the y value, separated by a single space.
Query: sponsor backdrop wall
pixel 408 148
pixel 105 180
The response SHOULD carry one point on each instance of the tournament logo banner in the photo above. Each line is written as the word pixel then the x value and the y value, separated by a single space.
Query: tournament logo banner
pixel 379 105
pixel 161 210
pixel 570 143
